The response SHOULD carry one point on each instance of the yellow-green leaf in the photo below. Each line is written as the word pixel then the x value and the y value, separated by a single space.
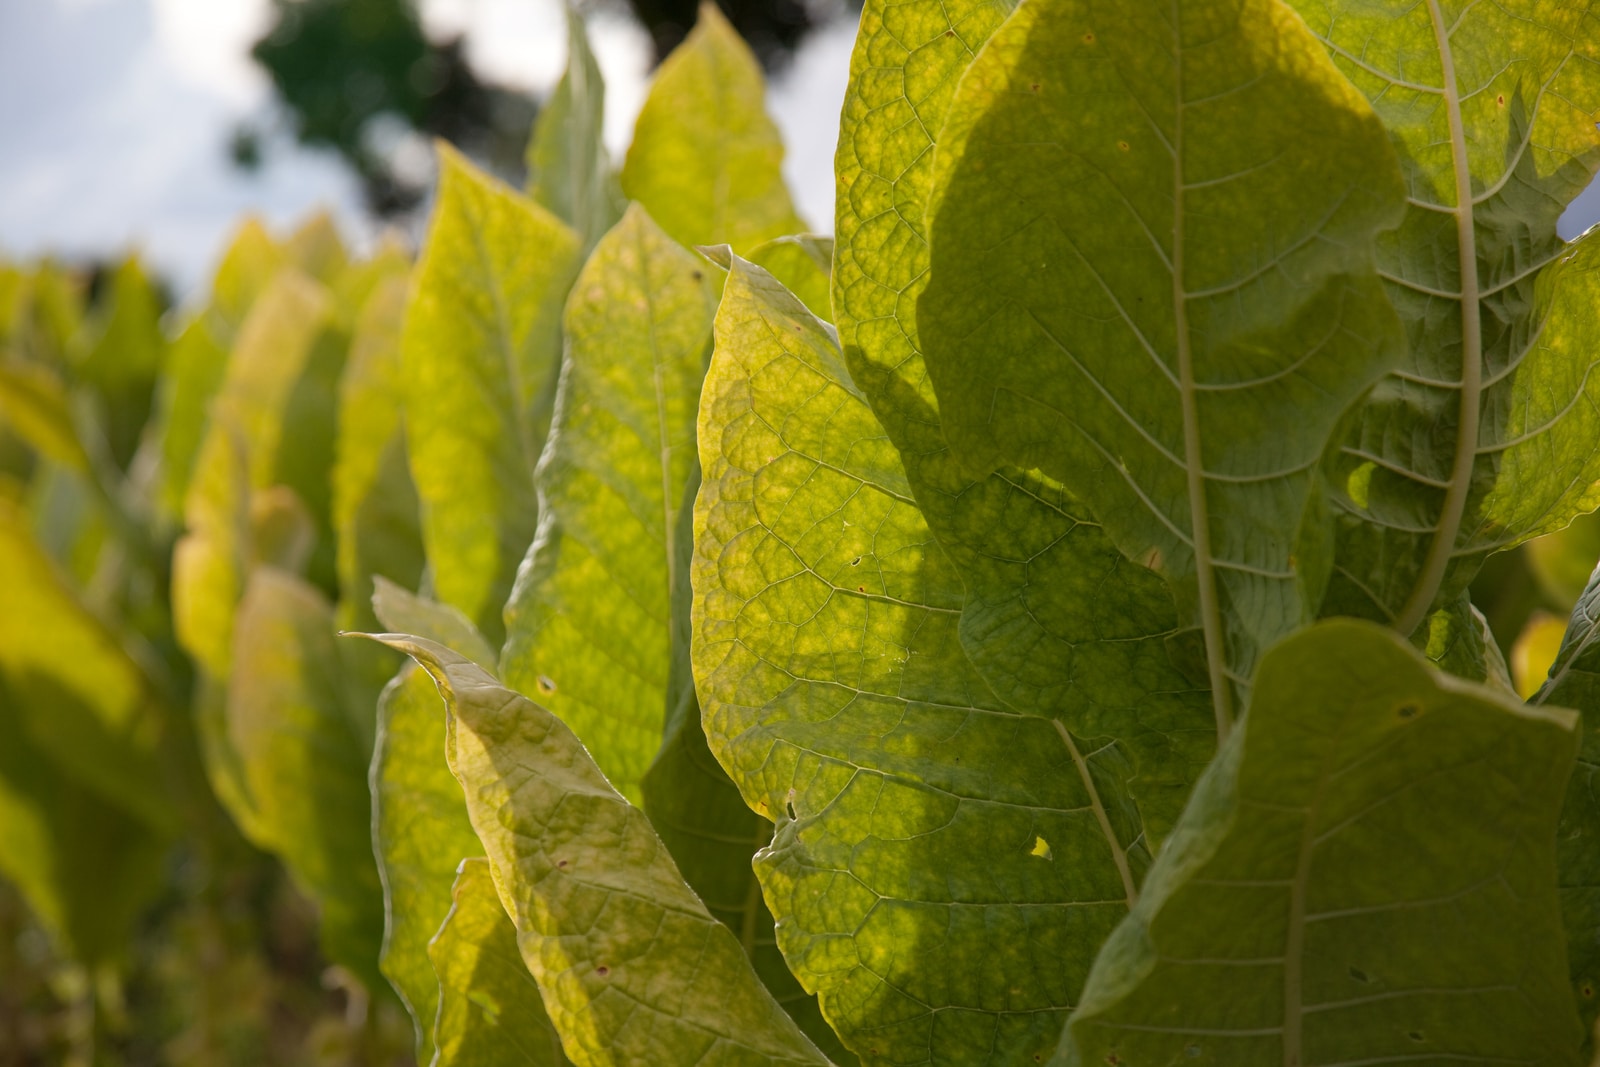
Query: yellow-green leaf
pixel 632 967
pixel 490 1011
pixel 481 349
pixel 706 160
pixel 588 624
pixel 1366 874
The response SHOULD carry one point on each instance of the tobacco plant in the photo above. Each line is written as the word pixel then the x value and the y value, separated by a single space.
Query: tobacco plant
pixel 1034 625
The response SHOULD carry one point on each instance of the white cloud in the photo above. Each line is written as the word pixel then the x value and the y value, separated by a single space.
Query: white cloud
pixel 207 43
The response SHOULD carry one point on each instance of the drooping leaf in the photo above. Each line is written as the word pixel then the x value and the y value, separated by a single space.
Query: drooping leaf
pixel 238 455
pixel 490 1011
pixel 1152 277
pixel 569 171
pixel 1365 876
pixel 658 980
pixel 303 755
pixel 588 623
pixel 706 160
pixel 420 834
pixel 374 503
pixel 402 611
pixel 942 868
pixel 1056 619
pixel 1475 442
pixel 1574 682
pixel 803 263
pixel 481 349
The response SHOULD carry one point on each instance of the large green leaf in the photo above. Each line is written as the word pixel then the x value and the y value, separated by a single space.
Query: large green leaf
pixel 588 623
pixel 238 455
pixel 706 160
pixel 303 757
pixel 942 868
pixel 490 1011
pixel 1152 277
pixel 1574 682
pixel 481 348
pixel 421 834
pixel 1366 875
pixel 374 503
pixel 420 831
pixel 1482 438
pixel 569 171
pixel 1057 620
pixel 632 967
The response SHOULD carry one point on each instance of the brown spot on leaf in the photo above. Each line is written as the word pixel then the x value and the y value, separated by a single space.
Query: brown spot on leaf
pixel 1088 38
pixel 602 970
pixel 1124 145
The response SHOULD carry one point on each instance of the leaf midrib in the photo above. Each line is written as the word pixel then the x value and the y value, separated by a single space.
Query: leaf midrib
pixel 1194 472
pixel 1454 509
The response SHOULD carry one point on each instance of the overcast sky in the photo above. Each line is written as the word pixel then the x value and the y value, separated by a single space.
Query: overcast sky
pixel 118 114
pixel 115 131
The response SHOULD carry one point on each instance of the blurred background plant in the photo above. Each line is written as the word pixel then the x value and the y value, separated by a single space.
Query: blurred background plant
pixel 108 362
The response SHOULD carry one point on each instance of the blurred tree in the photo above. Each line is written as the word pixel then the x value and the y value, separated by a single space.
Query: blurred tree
pixel 773 28
pixel 359 76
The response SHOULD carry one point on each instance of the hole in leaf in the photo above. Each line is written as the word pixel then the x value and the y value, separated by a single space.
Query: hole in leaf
pixel 1040 848
pixel 861 589
pixel 856 562
pixel 547 684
